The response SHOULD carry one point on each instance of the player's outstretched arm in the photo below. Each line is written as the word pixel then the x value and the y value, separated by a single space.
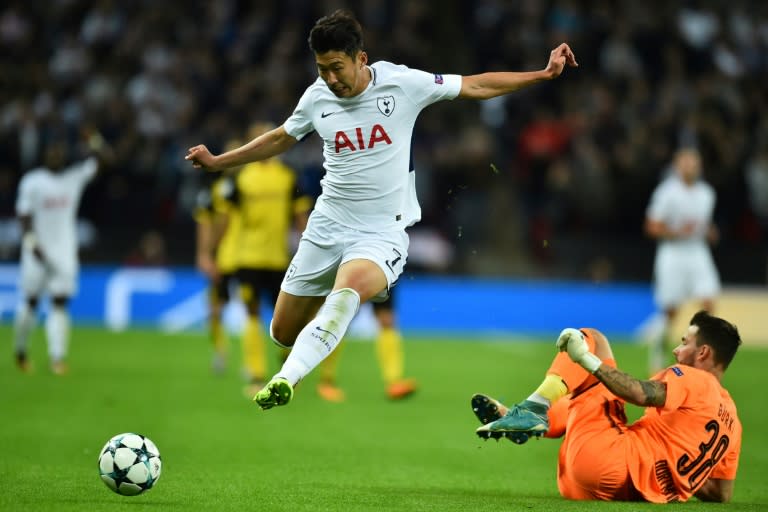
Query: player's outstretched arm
pixel 490 85
pixel 204 249
pixel 646 393
pixel 270 144
pixel 660 230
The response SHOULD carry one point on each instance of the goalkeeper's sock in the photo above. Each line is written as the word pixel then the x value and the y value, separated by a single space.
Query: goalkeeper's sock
pixel 550 391
pixel 389 349
pixel 321 335
pixel 254 350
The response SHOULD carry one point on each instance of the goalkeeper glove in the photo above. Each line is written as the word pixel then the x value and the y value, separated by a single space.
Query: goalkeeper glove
pixel 572 341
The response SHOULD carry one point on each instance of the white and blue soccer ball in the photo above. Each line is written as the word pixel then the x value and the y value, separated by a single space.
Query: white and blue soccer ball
pixel 130 464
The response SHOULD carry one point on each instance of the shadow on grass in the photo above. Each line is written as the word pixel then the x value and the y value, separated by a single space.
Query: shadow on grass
pixel 128 501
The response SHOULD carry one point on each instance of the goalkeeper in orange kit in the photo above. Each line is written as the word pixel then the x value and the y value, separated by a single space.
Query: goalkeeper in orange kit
pixel 686 444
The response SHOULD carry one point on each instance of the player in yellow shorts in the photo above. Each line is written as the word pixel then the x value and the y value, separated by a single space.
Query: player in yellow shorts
pixel 268 203
pixel 217 233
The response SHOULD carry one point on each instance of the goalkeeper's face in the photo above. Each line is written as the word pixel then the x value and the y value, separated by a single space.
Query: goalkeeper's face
pixel 687 351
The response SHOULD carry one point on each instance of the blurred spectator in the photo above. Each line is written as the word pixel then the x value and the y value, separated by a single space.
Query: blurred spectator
pixel 150 251
pixel 757 183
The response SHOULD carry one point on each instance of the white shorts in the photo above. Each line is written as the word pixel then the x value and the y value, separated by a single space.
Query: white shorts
pixel 682 273
pixel 326 245
pixel 58 278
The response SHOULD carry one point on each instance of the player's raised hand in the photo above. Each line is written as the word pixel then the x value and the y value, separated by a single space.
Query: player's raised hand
pixel 200 157
pixel 572 341
pixel 559 58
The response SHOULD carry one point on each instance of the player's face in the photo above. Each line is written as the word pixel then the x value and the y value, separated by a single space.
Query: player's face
pixel 686 351
pixel 345 76
pixel 55 156
pixel 688 164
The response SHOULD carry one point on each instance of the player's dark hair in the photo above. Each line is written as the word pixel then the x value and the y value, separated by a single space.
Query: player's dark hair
pixel 339 31
pixel 721 335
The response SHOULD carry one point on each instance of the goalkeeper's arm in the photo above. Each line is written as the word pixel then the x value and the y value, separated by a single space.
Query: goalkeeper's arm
pixel 645 393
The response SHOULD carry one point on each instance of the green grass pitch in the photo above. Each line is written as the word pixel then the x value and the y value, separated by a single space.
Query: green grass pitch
pixel 222 453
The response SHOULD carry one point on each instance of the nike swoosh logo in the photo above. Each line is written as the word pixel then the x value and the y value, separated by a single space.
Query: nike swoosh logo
pixel 327 332
pixel 324 115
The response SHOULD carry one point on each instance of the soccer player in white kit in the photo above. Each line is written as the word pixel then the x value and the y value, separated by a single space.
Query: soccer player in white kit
pixel 679 216
pixel 355 245
pixel 46 205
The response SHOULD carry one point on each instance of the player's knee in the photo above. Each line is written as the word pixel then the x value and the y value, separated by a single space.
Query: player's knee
pixel 60 302
pixel 602 345
pixel 279 337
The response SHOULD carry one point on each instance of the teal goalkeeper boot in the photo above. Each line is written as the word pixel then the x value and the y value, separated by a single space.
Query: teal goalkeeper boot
pixel 523 421
pixel 278 391
pixel 487 409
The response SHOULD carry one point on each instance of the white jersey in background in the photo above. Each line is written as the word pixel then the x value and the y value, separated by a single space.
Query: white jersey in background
pixel 52 200
pixel 368 185
pixel 684 267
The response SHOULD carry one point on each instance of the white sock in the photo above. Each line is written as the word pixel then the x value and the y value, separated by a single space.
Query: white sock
pixel 23 323
pixel 57 330
pixel 535 397
pixel 321 335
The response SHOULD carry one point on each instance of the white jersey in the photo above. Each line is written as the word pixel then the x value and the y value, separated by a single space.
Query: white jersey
pixel 368 184
pixel 683 267
pixel 676 204
pixel 52 200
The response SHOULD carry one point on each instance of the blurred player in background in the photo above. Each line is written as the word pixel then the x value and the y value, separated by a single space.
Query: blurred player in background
pixel 46 205
pixel 356 245
pixel 679 217
pixel 270 204
pixel 218 226
pixel 251 215
pixel 686 444
pixel 389 352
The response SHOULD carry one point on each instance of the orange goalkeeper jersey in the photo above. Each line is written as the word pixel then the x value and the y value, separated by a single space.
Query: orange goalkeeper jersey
pixel 696 435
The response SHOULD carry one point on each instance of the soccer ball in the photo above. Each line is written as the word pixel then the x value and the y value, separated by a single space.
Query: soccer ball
pixel 130 464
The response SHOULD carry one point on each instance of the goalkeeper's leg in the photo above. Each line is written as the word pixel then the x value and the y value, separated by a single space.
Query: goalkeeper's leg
pixel 530 418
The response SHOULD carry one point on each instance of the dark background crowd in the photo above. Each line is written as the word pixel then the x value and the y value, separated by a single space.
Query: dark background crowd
pixel 552 181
